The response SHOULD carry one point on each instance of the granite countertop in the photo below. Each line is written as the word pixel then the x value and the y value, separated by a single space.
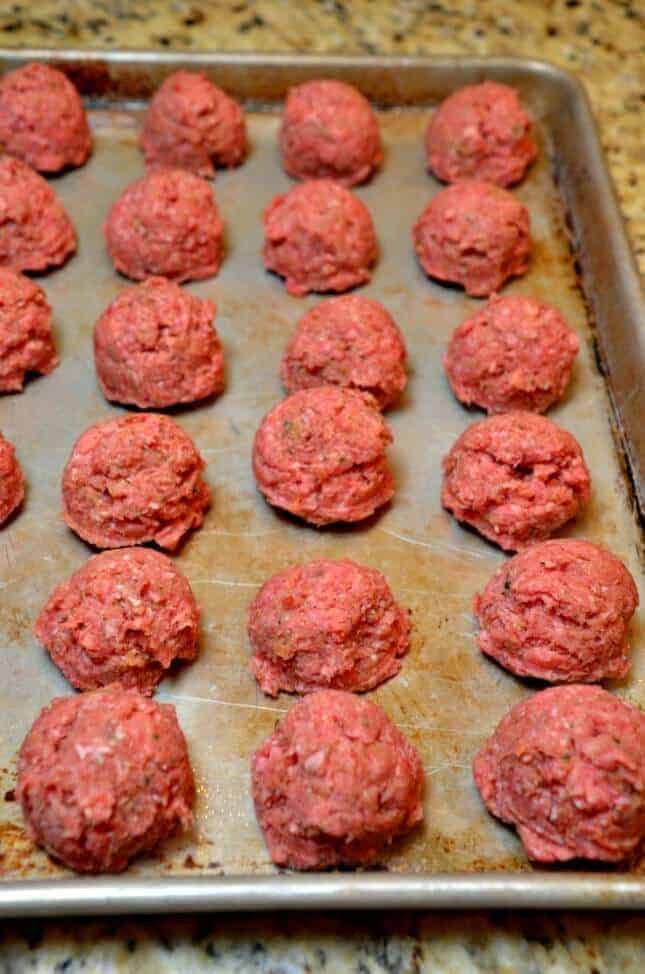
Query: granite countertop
pixel 602 42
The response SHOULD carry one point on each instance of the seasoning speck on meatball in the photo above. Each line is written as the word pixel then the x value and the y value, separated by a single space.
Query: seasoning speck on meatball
pixel 103 777
pixel 566 767
pixel 124 617
pixel 335 783
pixel 134 479
pixel 516 478
pixel 326 624
pixel 320 454
pixel 12 481
pixel 26 342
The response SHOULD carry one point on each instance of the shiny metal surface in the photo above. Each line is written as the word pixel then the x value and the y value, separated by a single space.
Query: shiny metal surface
pixel 447 697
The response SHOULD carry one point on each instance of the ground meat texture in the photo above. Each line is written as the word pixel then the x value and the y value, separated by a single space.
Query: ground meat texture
pixel 132 480
pixel 167 223
pixel 516 478
pixel 347 341
pixel 320 454
pixel 329 131
pixel 103 777
pixel 515 353
pixel 26 342
pixel 124 617
pixel 191 124
pixel 42 120
pixel 319 237
pixel 155 346
pixel 559 611
pixel 326 624
pixel 335 783
pixel 566 767
pixel 35 231
pixel 480 132
pixel 12 481
pixel 473 234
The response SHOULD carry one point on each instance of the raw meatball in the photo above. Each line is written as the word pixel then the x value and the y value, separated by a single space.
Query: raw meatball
pixel 559 611
pixel 329 131
pixel 567 768
pixel 326 624
pixel 104 776
pixel 191 124
pixel 35 231
pixel 480 132
pixel 516 478
pixel 335 783
pixel 347 341
pixel 473 234
pixel 319 237
pixel 166 223
pixel 155 346
pixel 320 454
pixel 12 481
pixel 134 479
pixel 42 120
pixel 124 617
pixel 515 353
pixel 26 343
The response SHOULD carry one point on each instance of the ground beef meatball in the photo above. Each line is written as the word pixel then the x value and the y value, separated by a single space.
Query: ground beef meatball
pixel 319 237
pixel 566 767
pixel 124 617
pixel 473 234
pixel 320 454
pixel 155 346
pixel 326 624
pixel 134 479
pixel 191 124
pixel 516 478
pixel 26 342
pixel 167 223
pixel 480 132
pixel 515 353
pixel 12 481
pixel 347 341
pixel 42 120
pixel 559 611
pixel 104 776
pixel 329 131
pixel 35 231
pixel 335 783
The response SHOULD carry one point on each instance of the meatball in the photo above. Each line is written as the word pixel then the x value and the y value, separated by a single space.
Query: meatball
pixel 35 231
pixel 191 124
pixel 155 346
pixel 335 783
pixel 329 131
pixel 566 767
pixel 42 120
pixel 480 132
pixel 134 479
pixel 515 353
pixel 559 611
pixel 26 342
pixel 516 478
pixel 168 224
pixel 12 481
pixel 473 234
pixel 326 624
pixel 103 777
pixel 124 617
pixel 319 237
pixel 320 454
pixel 347 341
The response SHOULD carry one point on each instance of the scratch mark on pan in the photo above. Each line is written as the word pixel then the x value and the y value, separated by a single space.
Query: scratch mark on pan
pixel 223 703
pixel 445 767
pixel 238 534
pixel 228 582
pixel 435 546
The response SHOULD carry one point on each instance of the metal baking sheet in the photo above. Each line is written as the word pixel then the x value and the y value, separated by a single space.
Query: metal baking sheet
pixel 447 697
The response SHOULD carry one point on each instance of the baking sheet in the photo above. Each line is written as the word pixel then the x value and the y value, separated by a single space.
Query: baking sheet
pixel 447 697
